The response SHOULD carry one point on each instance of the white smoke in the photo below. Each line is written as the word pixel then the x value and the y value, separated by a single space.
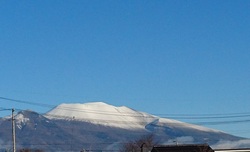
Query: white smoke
pixel 225 144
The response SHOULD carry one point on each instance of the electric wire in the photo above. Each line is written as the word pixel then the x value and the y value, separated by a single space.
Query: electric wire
pixel 173 116
pixel 181 116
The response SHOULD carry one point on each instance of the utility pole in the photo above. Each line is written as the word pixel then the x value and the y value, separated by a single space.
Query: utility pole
pixel 71 141
pixel 13 131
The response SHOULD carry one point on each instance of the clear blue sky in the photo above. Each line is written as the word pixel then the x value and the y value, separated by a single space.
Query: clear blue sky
pixel 161 57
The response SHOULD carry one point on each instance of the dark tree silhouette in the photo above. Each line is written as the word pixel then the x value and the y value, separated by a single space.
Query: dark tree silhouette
pixel 145 143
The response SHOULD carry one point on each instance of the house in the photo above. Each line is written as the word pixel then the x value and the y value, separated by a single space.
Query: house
pixel 183 148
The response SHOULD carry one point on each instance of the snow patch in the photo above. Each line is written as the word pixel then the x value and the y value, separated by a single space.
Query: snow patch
pixel 20 120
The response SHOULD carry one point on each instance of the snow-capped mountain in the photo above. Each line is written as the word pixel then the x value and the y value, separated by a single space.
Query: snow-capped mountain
pixel 121 117
pixel 99 126
pixel 103 114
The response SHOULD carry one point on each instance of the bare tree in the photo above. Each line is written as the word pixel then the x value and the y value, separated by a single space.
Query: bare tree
pixel 139 145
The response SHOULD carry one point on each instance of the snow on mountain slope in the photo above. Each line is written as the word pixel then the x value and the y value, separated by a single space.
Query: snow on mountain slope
pixel 122 117
pixel 102 113
pixel 179 124
pixel 21 120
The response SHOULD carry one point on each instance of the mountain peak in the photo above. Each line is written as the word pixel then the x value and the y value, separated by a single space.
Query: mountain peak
pixel 120 117
pixel 101 113
pixel 83 106
pixel 96 103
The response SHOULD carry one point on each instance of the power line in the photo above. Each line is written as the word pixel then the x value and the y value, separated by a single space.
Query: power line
pixel 27 102
pixel 5 109
pixel 168 116
pixel 136 122
pixel 224 122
